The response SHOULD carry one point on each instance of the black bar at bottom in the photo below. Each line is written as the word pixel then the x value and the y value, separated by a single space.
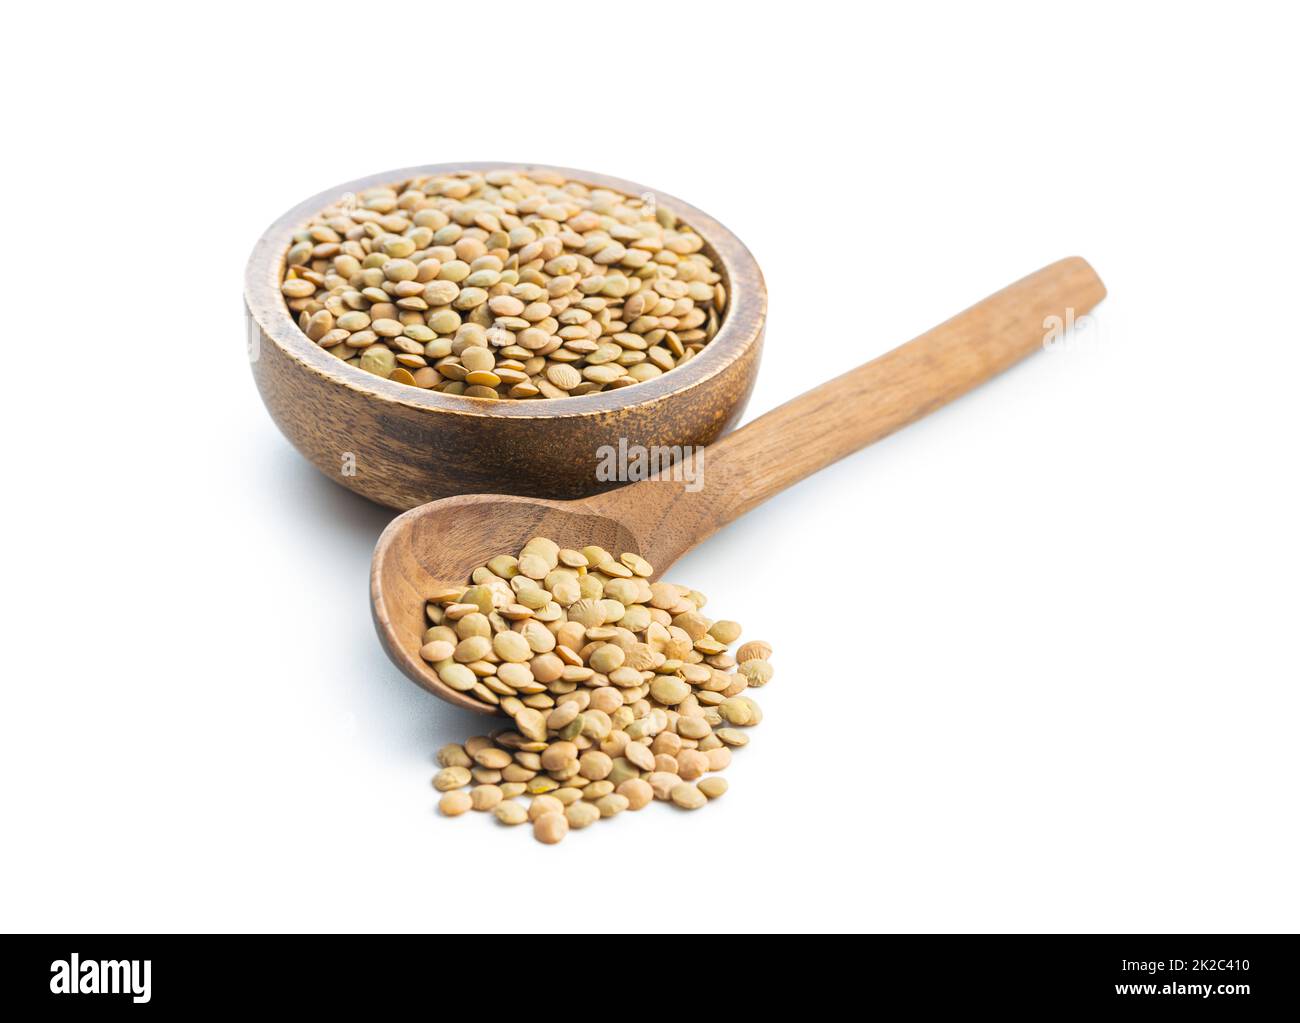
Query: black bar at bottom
pixel 1223 975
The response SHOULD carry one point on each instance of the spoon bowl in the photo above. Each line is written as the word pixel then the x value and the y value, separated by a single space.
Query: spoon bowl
pixel 441 543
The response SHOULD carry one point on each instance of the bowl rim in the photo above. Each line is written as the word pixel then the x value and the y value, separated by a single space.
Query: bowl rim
pixel 742 324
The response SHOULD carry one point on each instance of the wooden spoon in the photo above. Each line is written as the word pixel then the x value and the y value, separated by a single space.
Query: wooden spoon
pixel 441 543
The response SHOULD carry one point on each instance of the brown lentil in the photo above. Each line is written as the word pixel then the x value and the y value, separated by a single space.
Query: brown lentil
pixel 510 812
pixel 713 786
pixel 550 827
pixel 485 797
pixel 453 804
pixel 688 797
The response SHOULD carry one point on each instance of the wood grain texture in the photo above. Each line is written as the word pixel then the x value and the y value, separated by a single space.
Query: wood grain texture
pixel 442 542
pixel 410 446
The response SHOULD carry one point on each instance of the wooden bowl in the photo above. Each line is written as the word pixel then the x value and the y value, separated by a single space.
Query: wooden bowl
pixel 403 446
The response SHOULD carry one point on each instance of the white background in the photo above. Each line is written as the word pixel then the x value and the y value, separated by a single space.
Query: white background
pixel 1036 655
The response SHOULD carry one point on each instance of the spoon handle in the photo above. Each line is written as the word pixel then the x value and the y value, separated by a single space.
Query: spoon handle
pixel 810 432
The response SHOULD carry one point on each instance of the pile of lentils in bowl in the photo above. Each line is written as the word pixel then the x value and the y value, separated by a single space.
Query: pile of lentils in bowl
pixel 504 284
